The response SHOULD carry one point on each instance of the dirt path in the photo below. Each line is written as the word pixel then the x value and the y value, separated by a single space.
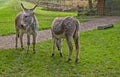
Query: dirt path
pixel 9 41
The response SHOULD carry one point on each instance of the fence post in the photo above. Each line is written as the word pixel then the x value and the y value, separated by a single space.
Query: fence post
pixel 79 10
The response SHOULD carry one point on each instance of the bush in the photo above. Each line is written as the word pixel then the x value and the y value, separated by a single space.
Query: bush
pixel 91 12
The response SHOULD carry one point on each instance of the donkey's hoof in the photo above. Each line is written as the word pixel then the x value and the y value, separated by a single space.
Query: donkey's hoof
pixel 34 52
pixel 76 60
pixel 16 48
pixel 52 55
pixel 69 60
pixel 22 48
pixel 27 52
pixel 61 55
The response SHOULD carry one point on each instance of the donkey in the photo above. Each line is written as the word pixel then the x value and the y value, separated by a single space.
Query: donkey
pixel 26 22
pixel 68 28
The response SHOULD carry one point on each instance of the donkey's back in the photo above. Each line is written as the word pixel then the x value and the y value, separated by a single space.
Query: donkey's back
pixel 67 26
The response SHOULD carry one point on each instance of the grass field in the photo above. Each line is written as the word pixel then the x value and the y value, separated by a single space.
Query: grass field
pixel 99 57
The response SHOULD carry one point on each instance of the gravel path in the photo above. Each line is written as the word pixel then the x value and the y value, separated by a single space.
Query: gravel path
pixel 7 42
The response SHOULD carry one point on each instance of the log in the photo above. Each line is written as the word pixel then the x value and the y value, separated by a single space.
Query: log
pixel 101 27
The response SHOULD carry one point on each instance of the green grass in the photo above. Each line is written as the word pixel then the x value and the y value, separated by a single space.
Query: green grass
pixel 99 57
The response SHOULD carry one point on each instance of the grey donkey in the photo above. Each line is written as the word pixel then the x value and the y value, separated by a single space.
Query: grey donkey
pixel 68 28
pixel 26 22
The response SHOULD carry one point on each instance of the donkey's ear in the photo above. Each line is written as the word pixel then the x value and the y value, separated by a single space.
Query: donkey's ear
pixel 23 7
pixel 34 7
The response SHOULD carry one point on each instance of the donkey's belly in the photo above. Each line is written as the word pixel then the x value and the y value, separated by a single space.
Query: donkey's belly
pixel 28 31
pixel 59 36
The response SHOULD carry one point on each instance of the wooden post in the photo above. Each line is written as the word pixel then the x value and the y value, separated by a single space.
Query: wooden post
pixel 79 9
pixel 101 7
pixel 101 27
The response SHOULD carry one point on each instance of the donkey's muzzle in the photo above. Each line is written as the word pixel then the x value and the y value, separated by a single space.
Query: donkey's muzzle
pixel 23 27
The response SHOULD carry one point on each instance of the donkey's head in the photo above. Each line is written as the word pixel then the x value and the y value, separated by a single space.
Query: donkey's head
pixel 28 16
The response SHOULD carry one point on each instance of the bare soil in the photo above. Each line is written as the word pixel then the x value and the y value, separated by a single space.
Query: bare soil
pixel 7 42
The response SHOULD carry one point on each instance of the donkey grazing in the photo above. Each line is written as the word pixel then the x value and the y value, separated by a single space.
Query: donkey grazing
pixel 26 22
pixel 67 27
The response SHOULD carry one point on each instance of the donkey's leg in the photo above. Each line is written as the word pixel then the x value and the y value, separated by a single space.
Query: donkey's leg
pixel 54 46
pixel 34 42
pixel 28 42
pixel 69 42
pixel 17 36
pixel 21 39
pixel 59 46
pixel 76 40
